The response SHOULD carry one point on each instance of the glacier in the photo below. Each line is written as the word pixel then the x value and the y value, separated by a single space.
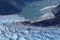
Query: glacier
pixel 29 33
pixel 12 31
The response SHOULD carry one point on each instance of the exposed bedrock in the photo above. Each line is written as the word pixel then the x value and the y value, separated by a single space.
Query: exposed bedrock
pixel 8 7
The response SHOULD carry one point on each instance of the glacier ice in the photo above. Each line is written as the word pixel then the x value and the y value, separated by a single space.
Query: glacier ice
pixel 29 33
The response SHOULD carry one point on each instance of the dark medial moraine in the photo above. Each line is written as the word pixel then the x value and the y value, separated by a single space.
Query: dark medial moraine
pixel 49 22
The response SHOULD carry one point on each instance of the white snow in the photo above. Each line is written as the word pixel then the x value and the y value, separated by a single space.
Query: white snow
pixel 48 7
pixel 11 18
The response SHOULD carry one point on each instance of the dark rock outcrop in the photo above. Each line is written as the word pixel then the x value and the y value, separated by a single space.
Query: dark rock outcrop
pixel 56 11
pixel 8 7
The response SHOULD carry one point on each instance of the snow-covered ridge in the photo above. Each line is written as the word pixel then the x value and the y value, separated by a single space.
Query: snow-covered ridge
pixel 48 7
pixel 47 13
